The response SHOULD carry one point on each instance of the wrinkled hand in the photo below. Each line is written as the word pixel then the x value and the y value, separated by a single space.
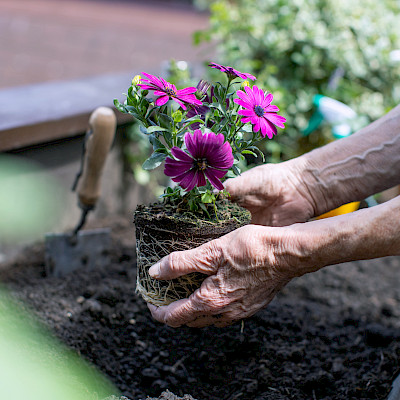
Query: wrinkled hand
pixel 246 268
pixel 274 194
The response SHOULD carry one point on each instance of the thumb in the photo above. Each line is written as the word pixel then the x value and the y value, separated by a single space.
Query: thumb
pixel 236 187
pixel 204 259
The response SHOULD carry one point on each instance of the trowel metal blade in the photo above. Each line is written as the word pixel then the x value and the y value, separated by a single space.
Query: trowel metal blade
pixel 65 253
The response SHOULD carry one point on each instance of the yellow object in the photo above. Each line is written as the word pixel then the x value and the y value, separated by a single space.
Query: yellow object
pixel 344 209
pixel 136 80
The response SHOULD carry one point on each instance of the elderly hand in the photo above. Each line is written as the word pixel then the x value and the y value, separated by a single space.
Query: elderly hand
pixel 273 193
pixel 246 268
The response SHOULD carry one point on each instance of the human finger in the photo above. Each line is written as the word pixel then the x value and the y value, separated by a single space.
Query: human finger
pixel 205 301
pixel 176 314
pixel 202 259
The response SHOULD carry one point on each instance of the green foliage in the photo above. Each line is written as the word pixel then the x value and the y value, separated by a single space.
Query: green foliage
pixel 339 48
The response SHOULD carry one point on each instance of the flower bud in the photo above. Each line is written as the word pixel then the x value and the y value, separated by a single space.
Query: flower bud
pixel 136 80
pixel 202 88
pixel 177 116
pixel 245 83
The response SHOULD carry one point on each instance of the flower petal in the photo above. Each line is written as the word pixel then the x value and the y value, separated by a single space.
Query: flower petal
pixel 267 99
pixel 276 119
pixel 191 143
pixel 221 158
pixel 190 98
pixel 211 176
pixel 181 155
pixel 185 91
pixel 201 179
pixel 159 93
pixel 268 129
pixel 247 112
pixel 247 103
pixel 161 100
pixel 257 127
pixel 271 108
pixel 189 180
pixel 154 80
pixel 251 94
pixel 179 102
pixel 175 168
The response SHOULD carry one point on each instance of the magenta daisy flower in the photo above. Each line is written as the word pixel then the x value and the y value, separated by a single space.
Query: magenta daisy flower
pixel 209 157
pixel 232 72
pixel 259 111
pixel 165 91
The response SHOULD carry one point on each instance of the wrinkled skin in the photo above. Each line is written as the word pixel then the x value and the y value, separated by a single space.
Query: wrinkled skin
pixel 273 193
pixel 242 265
pixel 243 277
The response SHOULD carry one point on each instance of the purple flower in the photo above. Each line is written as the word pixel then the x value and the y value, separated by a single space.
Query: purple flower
pixel 232 72
pixel 209 157
pixel 259 111
pixel 166 91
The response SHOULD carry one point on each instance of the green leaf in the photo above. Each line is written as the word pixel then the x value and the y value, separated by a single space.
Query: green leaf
pixel 168 138
pixel 119 106
pixel 204 208
pixel 237 158
pixel 249 152
pixel 165 121
pixel 193 205
pixel 235 170
pixel 143 129
pixel 194 121
pixel 152 129
pixel 257 150
pixel 154 161
pixel 133 111
pixel 155 142
pixel 207 198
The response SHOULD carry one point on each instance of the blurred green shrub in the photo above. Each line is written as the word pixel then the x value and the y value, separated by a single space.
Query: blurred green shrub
pixel 339 48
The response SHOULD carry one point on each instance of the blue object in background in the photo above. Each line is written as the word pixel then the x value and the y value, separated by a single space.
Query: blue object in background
pixel 335 113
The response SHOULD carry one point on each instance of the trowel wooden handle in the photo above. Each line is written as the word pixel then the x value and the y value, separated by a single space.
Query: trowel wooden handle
pixel 102 125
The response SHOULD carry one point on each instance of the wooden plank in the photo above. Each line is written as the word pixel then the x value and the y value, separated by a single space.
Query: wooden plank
pixel 34 114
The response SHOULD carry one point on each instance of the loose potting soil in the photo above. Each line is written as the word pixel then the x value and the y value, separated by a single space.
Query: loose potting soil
pixel 334 334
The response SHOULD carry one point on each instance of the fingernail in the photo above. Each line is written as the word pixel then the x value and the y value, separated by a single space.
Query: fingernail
pixel 154 270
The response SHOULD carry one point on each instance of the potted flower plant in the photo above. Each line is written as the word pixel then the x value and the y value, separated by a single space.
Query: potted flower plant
pixel 200 134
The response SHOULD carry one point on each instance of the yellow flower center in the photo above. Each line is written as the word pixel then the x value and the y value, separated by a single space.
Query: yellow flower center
pixel 202 164
pixel 171 92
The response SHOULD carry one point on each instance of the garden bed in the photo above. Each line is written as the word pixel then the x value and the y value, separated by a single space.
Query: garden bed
pixel 334 334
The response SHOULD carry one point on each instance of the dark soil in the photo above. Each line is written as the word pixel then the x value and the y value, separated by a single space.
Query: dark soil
pixel 334 334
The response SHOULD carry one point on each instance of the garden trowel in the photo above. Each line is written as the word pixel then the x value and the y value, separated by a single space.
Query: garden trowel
pixel 67 252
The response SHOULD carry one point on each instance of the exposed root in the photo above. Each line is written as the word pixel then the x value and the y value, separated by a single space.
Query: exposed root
pixel 149 251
